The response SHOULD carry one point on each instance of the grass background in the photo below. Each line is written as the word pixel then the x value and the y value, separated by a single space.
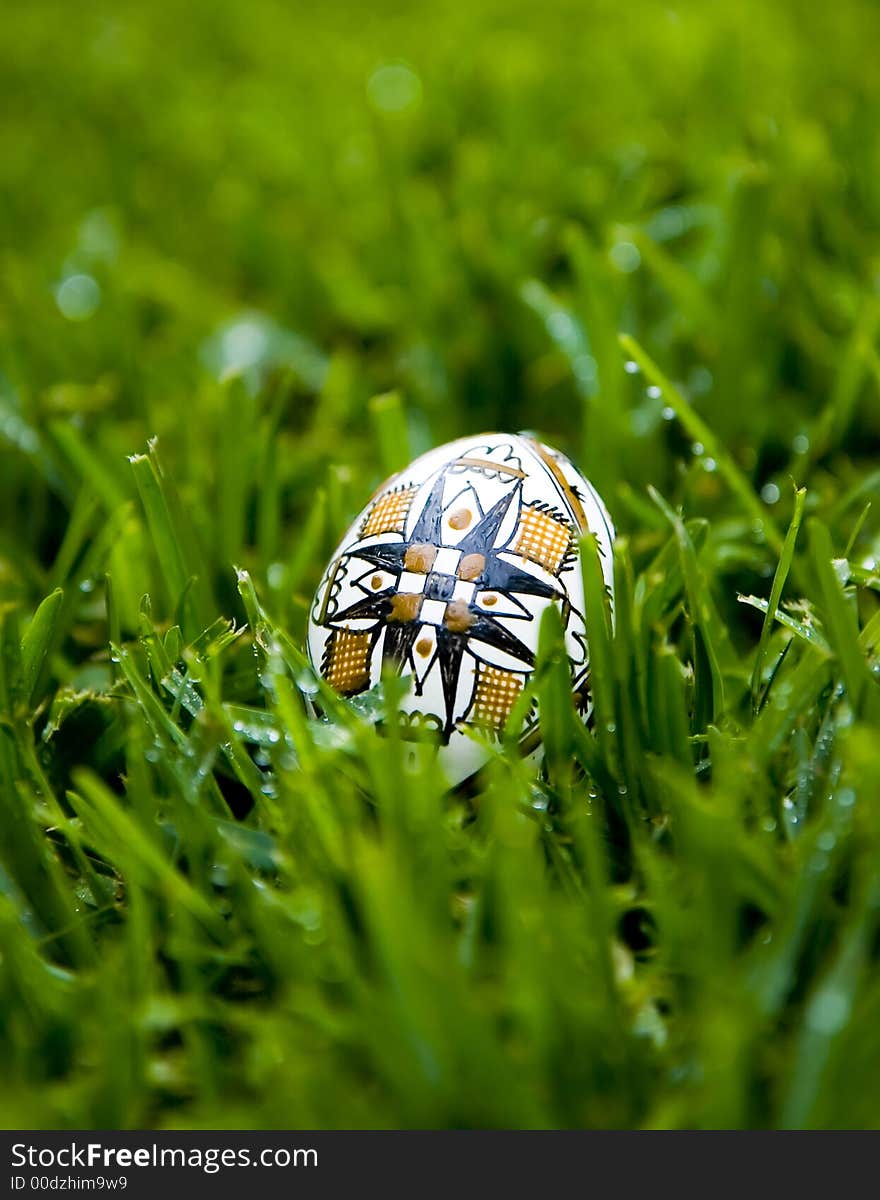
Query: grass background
pixel 296 245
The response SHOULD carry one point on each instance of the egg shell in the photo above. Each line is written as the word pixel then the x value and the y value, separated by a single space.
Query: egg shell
pixel 443 577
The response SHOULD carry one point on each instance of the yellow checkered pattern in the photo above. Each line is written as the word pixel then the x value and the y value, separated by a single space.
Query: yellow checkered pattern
pixel 346 668
pixel 543 538
pixel 388 514
pixel 496 693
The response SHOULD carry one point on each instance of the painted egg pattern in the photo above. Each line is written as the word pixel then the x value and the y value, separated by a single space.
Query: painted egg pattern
pixel 444 576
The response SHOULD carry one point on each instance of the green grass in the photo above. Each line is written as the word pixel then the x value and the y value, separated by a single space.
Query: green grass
pixel 254 257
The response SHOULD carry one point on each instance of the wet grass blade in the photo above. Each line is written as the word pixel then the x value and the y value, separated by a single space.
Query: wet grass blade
pixel 779 578
pixel 697 429
pixel 181 577
pixel 842 626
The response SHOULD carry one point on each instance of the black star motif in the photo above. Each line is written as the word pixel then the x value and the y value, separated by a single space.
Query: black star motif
pixel 495 575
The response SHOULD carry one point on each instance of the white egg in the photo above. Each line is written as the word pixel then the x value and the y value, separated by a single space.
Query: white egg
pixel 443 578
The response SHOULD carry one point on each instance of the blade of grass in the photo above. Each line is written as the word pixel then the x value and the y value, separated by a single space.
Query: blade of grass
pixel 699 432
pixel 842 626
pixel 37 643
pixel 598 621
pixel 389 426
pixel 177 571
pixel 779 579
pixel 706 622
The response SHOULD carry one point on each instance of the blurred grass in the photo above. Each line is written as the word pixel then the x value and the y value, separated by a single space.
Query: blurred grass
pixel 296 246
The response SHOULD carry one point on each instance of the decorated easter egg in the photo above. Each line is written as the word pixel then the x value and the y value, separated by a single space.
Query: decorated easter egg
pixel 443 578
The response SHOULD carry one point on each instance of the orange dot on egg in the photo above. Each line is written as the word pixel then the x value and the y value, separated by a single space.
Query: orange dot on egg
pixel 423 647
pixel 471 566
pixel 420 557
pixel 490 599
pixel 376 582
pixel 460 519
pixel 405 606
pixel 458 616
